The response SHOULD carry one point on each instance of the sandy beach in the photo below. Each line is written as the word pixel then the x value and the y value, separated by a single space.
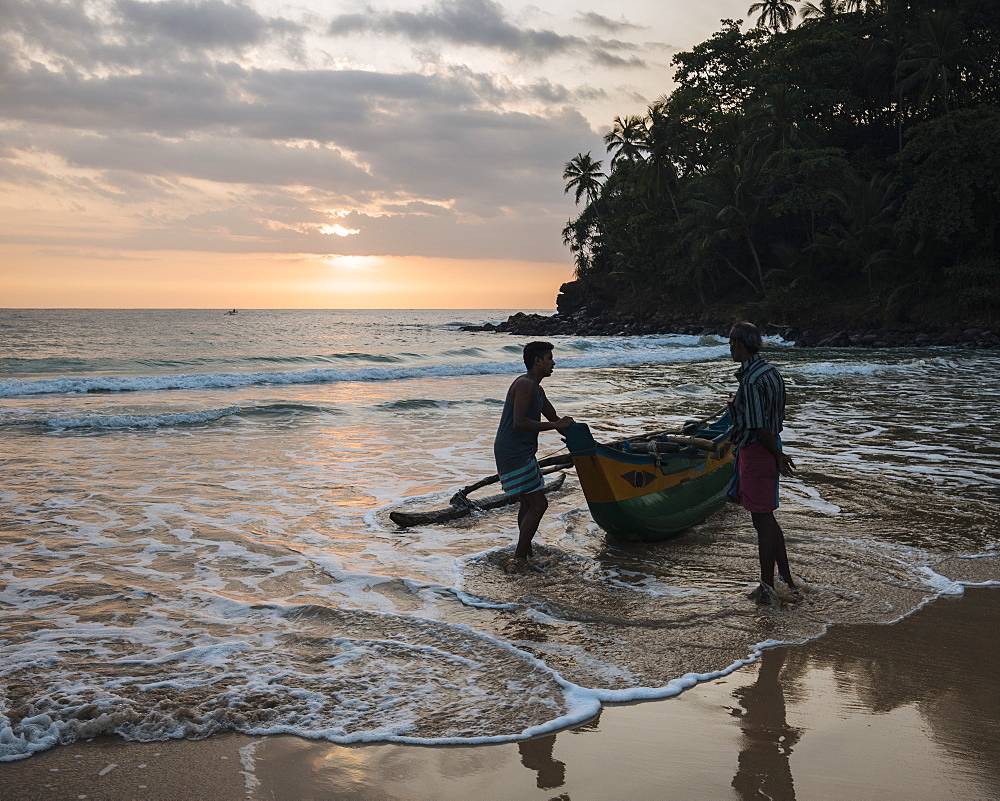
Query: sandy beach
pixel 903 711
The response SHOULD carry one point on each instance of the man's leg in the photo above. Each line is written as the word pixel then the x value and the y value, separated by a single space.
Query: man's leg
pixel 771 549
pixel 782 558
pixel 766 545
pixel 533 506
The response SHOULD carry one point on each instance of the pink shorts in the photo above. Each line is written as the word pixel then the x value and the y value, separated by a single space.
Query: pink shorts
pixel 755 480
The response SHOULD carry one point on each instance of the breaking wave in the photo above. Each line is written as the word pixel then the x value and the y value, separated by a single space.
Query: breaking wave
pixel 615 357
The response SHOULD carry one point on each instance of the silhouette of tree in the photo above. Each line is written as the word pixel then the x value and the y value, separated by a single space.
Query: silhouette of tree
pixel 583 174
pixel 774 14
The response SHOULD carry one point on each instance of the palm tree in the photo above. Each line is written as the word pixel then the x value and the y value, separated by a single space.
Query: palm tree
pixel 583 174
pixel 658 175
pixel 627 137
pixel 581 239
pixel 938 58
pixel 727 211
pixel 825 9
pixel 585 234
pixel 777 118
pixel 774 14
pixel 865 236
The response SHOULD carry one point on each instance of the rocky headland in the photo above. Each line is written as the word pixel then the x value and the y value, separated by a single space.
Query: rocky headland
pixel 578 318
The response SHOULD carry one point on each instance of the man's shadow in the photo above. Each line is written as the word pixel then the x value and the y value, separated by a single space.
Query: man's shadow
pixel 536 754
pixel 764 770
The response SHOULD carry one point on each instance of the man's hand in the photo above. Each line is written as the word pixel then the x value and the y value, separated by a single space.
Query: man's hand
pixel 563 423
pixel 785 465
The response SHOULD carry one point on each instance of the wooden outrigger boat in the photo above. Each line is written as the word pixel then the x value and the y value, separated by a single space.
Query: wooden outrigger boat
pixel 650 490
pixel 650 487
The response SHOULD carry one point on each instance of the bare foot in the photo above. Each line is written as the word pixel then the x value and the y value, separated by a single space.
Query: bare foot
pixel 764 596
pixel 521 565
pixel 788 593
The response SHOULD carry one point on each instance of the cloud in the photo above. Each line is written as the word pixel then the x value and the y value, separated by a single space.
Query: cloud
pixel 606 59
pixel 122 35
pixel 30 30
pixel 196 25
pixel 440 135
pixel 226 160
pixel 95 255
pixel 473 23
pixel 603 23
pixel 149 111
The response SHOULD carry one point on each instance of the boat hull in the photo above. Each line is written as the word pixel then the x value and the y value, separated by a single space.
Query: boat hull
pixel 642 497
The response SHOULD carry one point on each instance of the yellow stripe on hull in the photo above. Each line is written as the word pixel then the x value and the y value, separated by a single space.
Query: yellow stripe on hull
pixel 606 479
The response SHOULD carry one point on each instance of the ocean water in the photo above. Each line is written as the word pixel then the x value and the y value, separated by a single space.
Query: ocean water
pixel 195 532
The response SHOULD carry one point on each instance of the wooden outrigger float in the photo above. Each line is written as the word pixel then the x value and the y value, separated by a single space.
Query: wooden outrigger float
pixel 654 489
pixel 461 504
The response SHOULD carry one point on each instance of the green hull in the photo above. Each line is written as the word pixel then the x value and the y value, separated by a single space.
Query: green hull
pixel 664 514
pixel 638 496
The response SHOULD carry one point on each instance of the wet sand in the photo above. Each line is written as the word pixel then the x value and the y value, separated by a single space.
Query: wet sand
pixel 905 711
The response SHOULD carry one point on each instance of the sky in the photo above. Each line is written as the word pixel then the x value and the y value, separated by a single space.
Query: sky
pixel 334 154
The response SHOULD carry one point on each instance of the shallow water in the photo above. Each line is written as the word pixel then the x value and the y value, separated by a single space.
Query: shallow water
pixel 195 535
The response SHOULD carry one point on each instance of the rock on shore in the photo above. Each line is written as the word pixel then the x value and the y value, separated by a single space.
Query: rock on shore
pixel 585 322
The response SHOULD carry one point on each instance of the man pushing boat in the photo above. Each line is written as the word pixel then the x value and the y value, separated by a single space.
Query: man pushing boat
pixel 516 441
pixel 758 411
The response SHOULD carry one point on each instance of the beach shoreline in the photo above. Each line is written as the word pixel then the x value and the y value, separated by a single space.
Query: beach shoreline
pixel 898 711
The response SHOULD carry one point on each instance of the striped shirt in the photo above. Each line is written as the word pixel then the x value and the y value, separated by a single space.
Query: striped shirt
pixel 759 402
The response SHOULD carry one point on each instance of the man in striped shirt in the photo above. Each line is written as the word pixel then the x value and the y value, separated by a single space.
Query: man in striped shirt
pixel 757 412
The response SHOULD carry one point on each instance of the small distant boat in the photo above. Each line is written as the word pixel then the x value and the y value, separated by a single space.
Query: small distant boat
pixel 232 311
pixel 654 489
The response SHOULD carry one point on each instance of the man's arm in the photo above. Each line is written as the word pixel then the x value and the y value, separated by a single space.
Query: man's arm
pixel 785 463
pixel 561 423
pixel 549 411
pixel 524 391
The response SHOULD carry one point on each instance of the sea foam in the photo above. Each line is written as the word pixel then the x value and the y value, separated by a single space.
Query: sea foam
pixel 115 421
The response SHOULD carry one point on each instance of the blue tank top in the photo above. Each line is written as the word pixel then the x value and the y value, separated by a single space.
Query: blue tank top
pixel 512 447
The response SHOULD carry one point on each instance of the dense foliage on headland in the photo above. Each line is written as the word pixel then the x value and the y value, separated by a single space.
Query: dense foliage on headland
pixel 841 172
